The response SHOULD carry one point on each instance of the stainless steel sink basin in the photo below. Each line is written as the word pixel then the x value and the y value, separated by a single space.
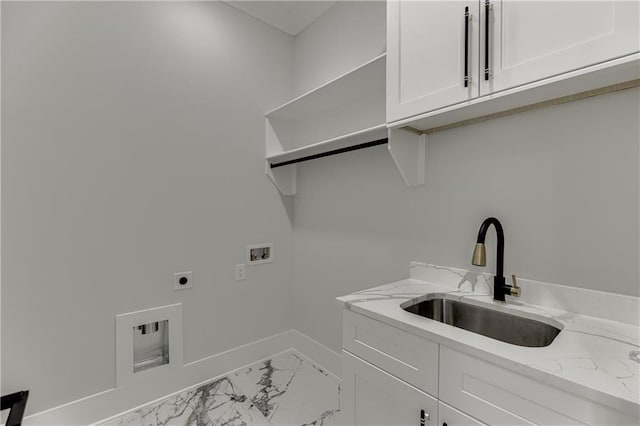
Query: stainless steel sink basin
pixel 492 323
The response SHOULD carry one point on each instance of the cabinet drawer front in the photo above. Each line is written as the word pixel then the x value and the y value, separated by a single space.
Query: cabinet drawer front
pixel 371 396
pixel 500 397
pixel 449 416
pixel 411 358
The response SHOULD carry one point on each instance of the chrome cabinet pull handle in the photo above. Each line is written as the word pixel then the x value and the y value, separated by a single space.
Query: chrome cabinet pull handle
pixel 487 71
pixel 467 15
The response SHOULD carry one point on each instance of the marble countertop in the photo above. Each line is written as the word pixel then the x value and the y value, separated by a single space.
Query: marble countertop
pixel 592 357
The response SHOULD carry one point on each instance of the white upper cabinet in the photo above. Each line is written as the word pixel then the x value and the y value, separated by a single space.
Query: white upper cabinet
pixel 532 40
pixel 426 55
pixel 533 50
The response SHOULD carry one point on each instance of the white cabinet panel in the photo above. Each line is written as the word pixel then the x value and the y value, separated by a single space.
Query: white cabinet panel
pixel 449 416
pixel 532 40
pixel 426 55
pixel 500 397
pixel 526 46
pixel 409 357
pixel 371 397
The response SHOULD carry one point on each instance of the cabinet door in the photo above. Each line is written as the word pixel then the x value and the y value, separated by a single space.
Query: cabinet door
pixel 501 397
pixel 533 40
pixel 426 55
pixel 449 416
pixel 371 397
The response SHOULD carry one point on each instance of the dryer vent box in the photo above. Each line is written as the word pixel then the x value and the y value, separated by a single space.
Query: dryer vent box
pixel 150 345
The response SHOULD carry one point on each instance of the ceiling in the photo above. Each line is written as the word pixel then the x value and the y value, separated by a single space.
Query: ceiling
pixel 288 16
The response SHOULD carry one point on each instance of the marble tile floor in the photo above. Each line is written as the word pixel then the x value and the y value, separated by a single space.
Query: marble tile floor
pixel 287 390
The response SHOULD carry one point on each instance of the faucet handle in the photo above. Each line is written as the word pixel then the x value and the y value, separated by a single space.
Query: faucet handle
pixel 514 290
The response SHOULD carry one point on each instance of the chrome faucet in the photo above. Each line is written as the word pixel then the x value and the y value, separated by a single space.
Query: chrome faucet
pixel 500 288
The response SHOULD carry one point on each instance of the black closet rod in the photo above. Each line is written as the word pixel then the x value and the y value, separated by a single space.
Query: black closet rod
pixel 334 152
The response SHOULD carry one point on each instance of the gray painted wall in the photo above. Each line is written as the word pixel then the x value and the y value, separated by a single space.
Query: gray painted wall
pixel 344 37
pixel 133 144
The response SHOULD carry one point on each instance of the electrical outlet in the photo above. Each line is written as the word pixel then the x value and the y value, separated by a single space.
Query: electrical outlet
pixel 182 280
pixel 240 272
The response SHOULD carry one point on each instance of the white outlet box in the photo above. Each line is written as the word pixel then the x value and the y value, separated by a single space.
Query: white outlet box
pixel 259 253
pixel 182 280
pixel 241 272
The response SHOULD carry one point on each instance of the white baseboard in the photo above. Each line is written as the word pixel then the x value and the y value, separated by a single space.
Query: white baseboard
pixel 105 404
pixel 318 353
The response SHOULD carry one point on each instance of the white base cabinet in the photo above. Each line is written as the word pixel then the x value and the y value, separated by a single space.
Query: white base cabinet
pixel 449 416
pixel 502 397
pixel 391 377
pixel 373 397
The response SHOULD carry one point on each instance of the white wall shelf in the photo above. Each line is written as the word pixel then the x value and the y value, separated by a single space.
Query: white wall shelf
pixel 345 141
pixel 284 177
pixel 341 114
pixel 361 81
pixel 347 111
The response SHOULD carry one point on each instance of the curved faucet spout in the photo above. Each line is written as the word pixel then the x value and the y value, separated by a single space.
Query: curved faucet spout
pixel 479 257
pixel 482 234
